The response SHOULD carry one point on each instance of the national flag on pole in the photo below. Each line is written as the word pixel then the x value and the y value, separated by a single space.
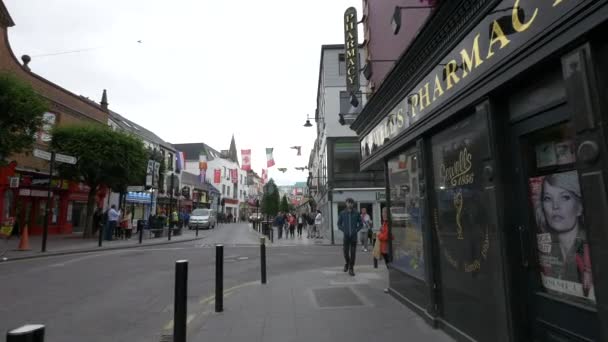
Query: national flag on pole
pixel 264 176
pixel 202 167
pixel 269 157
pixel 246 157
pixel 234 174
pixel 180 160
pixel 217 176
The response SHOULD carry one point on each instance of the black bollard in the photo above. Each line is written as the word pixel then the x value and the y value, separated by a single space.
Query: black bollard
pixel 219 278
pixel 169 232
pixel 26 333
pixel 180 305
pixel 141 233
pixel 375 263
pixel 263 258
pixel 100 238
pixel 197 230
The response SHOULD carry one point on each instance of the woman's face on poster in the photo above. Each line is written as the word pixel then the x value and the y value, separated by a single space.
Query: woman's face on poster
pixel 560 207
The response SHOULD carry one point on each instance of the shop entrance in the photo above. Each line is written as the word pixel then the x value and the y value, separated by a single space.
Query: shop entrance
pixel 550 219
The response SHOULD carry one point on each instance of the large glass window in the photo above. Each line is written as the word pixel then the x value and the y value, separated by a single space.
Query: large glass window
pixel 406 213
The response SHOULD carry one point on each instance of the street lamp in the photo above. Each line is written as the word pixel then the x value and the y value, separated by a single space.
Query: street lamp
pixel 308 124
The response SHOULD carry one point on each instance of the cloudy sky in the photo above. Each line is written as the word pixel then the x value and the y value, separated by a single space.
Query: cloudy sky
pixel 205 69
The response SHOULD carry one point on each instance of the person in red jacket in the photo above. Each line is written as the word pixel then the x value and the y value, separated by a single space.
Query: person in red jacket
pixel 384 237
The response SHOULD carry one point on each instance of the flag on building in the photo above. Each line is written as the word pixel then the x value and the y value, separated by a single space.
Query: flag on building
pixel 234 174
pixel 217 176
pixel 264 176
pixel 180 161
pixel 246 157
pixel 202 167
pixel 269 157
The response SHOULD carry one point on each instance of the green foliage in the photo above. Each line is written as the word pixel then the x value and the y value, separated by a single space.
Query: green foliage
pixel 270 200
pixel 104 156
pixel 284 206
pixel 21 112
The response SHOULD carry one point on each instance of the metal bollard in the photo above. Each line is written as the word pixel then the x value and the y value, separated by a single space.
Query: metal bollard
pixel 263 258
pixel 180 304
pixel 219 278
pixel 197 230
pixel 26 333
pixel 375 263
pixel 169 232
pixel 141 234
pixel 100 238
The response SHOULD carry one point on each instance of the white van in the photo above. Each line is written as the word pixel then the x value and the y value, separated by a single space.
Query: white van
pixel 202 218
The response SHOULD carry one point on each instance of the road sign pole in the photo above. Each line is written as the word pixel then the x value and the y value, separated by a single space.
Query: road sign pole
pixel 45 231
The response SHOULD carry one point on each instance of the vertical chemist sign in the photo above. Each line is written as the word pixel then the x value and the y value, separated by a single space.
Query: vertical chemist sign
pixel 351 50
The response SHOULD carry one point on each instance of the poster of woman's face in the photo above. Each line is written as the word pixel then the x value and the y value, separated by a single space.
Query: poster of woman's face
pixel 561 237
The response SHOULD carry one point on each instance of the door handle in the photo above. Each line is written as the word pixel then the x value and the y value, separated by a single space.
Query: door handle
pixel 524 255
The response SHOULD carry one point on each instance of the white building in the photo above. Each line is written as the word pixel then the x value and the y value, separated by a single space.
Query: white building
pixel 233 191
pixel 334 173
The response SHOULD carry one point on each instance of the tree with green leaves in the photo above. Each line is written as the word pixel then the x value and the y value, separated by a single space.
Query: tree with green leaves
pixel 270 200
pixel 105 157
pixel 21 113
pixel 284 206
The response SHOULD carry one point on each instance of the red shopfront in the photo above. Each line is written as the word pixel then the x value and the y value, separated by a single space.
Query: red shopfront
pixel 29 200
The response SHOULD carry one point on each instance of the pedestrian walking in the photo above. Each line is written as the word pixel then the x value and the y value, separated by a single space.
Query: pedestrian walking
pixel 126 224
pixel 292 225
pixel 279 222
pixel 383 237
pixel 349 222
pixel 317 228
pixel 97 220
pixel 310 224
pixel 113 216
pixel 366 221
pixel 300 224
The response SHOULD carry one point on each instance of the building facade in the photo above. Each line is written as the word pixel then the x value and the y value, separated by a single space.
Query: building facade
pixel 223 172
pixel 25 181
pixel 491 130
pixel 334 173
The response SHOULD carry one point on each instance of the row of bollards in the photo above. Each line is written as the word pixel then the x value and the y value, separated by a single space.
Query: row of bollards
pixel 35 332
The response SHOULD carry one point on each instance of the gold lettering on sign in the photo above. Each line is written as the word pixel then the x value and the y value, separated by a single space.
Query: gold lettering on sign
pixel 498 36
pixel 458 204
pixel 517 24
pixel 438 89
pixel 424 96
pixel 460 172
pixel 467 61
pixel 486 245
pixel 450 73
pixel 413 103
pixel 400 118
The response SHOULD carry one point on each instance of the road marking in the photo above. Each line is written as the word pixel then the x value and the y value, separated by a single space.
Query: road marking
pixel 212 297
pixel 169 326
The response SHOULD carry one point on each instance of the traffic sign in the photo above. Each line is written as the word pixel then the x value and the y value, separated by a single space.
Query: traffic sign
pixel 42 154
pixel 65 158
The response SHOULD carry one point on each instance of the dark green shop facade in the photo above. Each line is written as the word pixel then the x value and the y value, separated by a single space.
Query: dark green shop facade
pixel 492 129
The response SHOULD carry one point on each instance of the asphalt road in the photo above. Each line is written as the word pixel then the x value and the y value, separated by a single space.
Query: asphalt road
pixel 127 295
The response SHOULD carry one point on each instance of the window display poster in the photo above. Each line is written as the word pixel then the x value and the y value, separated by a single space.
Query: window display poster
pixel 561 239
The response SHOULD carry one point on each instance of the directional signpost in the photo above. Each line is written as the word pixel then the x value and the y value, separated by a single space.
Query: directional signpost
pixel 51 157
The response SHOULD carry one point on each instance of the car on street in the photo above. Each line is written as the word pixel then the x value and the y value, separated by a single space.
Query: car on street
pixel 202 218
pixel 255 217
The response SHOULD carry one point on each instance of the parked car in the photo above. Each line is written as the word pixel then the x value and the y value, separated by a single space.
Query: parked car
pixel 255 217
pixel 202 218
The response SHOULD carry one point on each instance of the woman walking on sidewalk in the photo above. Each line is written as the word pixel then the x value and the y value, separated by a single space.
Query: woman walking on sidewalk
pixel 300 224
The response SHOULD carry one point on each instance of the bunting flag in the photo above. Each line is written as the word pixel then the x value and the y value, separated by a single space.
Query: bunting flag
pixel 246 157
pixel 202 167
pixel 269 158
pixel 264 176
pixel 299 148
pixel 180 160
pixel 234 174
pixel 217 176
pixel 282 169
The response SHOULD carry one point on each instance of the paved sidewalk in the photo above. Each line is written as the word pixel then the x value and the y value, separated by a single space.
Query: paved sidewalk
pixel 75 243
pixel 295 241
pixel 318 305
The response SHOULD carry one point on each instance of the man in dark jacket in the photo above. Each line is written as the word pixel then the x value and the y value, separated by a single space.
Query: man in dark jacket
pixel 349 222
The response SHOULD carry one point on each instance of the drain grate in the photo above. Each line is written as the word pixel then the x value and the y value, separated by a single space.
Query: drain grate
pixel 336 297
pixel 166 338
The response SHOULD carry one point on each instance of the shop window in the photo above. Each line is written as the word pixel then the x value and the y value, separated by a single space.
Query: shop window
pixel 555 195
pixel 406 213
pixel 55 210
pixel 341 65
pixel 40 213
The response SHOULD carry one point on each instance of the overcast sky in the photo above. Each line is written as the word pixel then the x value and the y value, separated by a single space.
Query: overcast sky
pixel 205 69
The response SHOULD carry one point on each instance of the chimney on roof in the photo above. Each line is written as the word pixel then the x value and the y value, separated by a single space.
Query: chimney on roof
pixel 26 60
pixel 104 101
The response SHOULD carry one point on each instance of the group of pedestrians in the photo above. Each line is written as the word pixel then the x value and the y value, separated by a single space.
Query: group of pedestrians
pixel 356 226
pixel 292 224
pixel 114 223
